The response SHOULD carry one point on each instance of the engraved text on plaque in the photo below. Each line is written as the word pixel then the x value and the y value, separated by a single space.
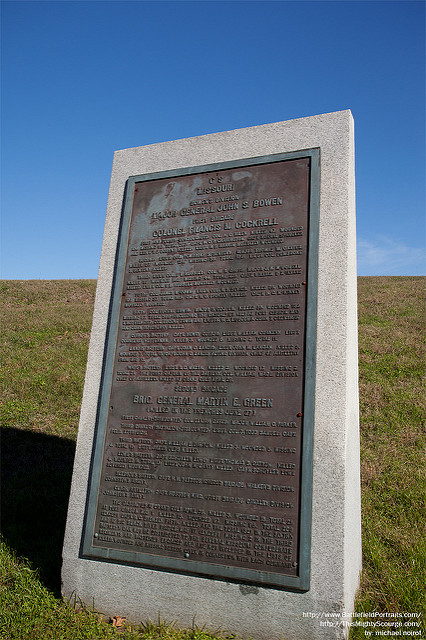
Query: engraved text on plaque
pixel 204 424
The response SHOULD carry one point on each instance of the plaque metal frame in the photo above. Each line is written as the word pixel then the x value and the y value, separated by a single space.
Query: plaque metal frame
pixel 195 567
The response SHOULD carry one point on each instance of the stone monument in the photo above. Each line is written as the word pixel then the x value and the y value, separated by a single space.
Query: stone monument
pixel 216 476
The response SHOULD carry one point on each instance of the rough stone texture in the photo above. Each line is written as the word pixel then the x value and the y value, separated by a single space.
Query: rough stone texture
pixel 262 613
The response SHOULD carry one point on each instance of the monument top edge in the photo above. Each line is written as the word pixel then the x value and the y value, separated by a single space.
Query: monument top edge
pixel 345 114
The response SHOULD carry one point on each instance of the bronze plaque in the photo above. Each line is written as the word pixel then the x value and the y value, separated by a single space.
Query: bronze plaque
pixel 201 431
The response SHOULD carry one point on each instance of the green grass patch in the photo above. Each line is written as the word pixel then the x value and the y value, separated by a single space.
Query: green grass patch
pixel 393 438
pixel 29 611
pixel 44 341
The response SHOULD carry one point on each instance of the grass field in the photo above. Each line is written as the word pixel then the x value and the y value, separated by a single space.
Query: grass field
pixel 45 335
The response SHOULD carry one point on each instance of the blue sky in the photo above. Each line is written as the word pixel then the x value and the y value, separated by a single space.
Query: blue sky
pixel 82 79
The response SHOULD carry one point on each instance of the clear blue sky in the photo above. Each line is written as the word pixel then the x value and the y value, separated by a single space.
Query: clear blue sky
pixel 82 79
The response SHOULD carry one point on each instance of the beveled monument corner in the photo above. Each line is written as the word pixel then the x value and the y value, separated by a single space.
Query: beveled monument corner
pixel 217 465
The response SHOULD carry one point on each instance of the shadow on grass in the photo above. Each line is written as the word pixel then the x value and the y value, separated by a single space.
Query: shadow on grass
pixel 36 473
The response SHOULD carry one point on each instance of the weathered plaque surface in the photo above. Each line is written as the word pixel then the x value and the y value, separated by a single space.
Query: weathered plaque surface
pixel 202 460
